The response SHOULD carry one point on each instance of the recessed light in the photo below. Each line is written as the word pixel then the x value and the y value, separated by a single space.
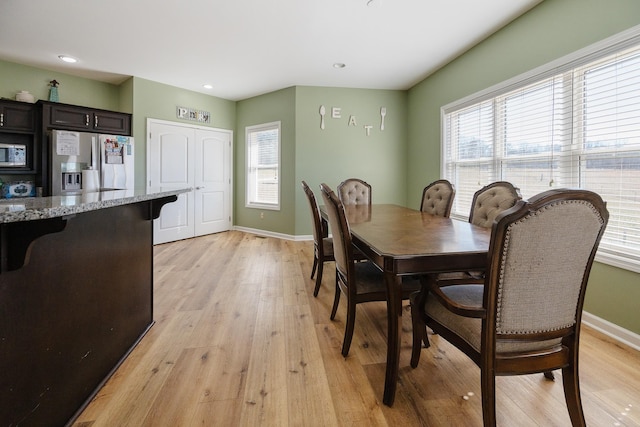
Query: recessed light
pixel 339 65
pixel 207 86
pixel 68 59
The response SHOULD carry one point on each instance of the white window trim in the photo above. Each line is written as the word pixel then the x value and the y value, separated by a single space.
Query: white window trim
pixel 583 56
pixel 248 130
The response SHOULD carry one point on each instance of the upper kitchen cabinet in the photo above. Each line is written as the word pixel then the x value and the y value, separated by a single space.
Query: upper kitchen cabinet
pixel 73 117
pixel 17 116
pixel 18 128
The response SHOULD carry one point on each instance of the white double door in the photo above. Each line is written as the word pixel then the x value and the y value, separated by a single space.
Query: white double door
pixel 197 157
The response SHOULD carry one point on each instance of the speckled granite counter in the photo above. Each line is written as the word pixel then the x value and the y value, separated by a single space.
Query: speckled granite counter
pixel 76 295
pixel 34 208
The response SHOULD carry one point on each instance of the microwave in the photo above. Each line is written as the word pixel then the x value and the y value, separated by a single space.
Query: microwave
pixel 13 155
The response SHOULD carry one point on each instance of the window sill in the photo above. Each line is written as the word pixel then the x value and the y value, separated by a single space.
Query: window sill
pixel 263 206
pixel 618 261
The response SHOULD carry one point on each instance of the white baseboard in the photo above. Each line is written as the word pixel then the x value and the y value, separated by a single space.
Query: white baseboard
pixel 611 329
pixel 266 233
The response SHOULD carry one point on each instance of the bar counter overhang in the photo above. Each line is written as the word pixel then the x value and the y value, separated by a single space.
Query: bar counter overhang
pixel 76 296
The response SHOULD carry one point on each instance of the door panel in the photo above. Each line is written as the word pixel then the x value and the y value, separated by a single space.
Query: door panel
pixel 170 165
pixel 174 159
pixel 186 156
pixel 213 182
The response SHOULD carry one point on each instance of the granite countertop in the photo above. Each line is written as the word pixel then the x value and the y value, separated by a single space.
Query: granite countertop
pixel 34 208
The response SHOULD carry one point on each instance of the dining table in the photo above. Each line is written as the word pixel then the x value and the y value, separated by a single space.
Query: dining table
pixel 406 242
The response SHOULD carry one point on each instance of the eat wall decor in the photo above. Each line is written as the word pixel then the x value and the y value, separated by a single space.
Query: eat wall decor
pixel 336 113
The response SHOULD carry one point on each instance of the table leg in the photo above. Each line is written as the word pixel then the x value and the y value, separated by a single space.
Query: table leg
pixel 394 323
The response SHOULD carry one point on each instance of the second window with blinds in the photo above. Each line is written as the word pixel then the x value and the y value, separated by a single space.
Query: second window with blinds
pixel 263 166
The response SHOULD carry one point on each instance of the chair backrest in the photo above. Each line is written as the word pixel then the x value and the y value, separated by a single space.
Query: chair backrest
pixel 437 198
pixel 318 232
pixel 491 200
pixel 342 247
pixel 354 191
pixel 540 255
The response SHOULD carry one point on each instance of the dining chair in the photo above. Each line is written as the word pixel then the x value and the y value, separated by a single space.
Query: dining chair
pixel 359 281
pixel 437 198
pixel 525 318
pixel 354 191
pixel 322 245
pixel 491 200
pixel 486 205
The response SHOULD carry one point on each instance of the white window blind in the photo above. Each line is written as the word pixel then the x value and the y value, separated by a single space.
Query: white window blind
pixel 577 127
pixel 263 166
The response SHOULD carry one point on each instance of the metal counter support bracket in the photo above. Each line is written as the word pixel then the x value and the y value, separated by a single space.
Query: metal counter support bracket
pixel 16 239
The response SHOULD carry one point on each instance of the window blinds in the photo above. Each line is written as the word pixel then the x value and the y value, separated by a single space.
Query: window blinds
pixel 263 168
pixel 579 127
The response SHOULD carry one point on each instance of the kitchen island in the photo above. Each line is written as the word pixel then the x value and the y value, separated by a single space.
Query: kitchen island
pixel 76 296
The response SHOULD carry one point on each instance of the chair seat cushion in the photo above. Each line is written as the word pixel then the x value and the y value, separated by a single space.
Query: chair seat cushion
pixel 370 279
pixel 468 328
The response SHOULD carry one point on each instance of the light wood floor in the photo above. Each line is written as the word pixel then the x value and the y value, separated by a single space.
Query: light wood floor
pixel 239 339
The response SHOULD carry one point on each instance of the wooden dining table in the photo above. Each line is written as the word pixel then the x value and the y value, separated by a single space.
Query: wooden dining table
pixel 402 242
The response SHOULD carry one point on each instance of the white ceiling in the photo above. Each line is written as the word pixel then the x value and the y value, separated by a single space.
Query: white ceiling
pixel 249 47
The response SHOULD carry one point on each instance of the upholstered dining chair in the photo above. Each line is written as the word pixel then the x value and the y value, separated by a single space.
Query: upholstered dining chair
pixel 525 318
pixel 354 191
pixel 486 205
pixel 359 281
pixel 437 198
pixel 491 200
pixel 322 245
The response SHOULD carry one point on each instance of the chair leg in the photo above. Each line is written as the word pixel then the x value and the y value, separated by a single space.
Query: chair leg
pixel 336 301
pixel 348 330
pixel 488 386
pixel 318 279
pixel 571 385
pixel 315 264
pixel 550 376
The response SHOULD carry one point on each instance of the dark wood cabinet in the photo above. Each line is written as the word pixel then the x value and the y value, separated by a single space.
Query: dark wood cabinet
pixel 18 126
pixel 17 116
pixel 73 117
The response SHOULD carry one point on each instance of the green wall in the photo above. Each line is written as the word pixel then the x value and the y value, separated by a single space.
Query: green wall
pixel 343 150
pixel 549 31
pixel 272 107
pixel 159 101
pixel 72 90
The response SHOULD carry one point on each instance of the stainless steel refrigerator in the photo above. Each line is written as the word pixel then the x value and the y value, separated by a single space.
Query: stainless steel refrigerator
pixel 83 162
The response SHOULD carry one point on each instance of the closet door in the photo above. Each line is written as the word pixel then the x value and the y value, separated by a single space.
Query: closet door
pixel 170 164
pixel 199 158
pixel 212 193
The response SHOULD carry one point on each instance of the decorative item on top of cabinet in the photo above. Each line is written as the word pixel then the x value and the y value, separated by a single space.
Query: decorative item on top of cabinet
pixel 73 117
pixel 53 92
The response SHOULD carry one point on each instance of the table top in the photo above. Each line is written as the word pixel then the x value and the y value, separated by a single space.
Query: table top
pixel 406 241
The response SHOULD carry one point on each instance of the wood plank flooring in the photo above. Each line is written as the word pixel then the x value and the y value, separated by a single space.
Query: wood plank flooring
pixel 239 340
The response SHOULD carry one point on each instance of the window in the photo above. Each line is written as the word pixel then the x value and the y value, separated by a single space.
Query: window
pixel 263 166
pixel 575 125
